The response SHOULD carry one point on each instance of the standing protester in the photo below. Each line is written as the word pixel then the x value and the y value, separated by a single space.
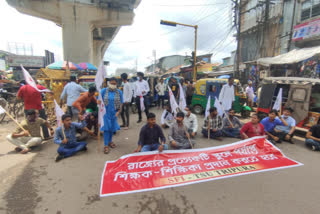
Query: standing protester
pixel 113 101
pixel 72 90
pixel 213 124
pixel 161 88
pixel 24 140
pixel 79 106
pixel 313 138
pixel 167 117
pixel 226 95
pixel 65 137
pixel 174 88
pixel 191 121
pixel 234 130
pixel 127 97
pixel 150 135
pixel 141 90
pixel 189 93
pixel 253 128
pixel 286 132
pixel 178 136
pixel 32 100
pixel 269 124
pixel 250 94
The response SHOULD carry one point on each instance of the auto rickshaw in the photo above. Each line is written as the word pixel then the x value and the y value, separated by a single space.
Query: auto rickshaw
pixel 301 94
pixel 87 81
pixel 212 87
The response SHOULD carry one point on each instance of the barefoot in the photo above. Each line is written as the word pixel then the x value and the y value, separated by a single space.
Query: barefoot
pixel 25 151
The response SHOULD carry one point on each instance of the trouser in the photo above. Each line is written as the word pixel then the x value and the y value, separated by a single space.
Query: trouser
pixel 107 136
pixel 42 114
pixel 69 111
pixel 69 150
pixel 189 100
pixel 84 135
pixel 190 131
pixel 24 142
pixel 145 106
pixel 277 134
pixel 125 114
pixel 212 133
pixel 231 132
pixel 153 147
pixel 161 100
pixel 183 144
pixel 282 135
pixel 75 113
pixel 311 142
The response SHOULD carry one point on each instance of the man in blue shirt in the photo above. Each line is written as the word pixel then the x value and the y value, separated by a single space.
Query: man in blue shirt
pixel 270 123
pixel 72 90
pixel 286 132
pixel 65 136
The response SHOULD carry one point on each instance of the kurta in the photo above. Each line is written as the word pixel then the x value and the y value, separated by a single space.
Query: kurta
pixel 226 96
pixel 110 119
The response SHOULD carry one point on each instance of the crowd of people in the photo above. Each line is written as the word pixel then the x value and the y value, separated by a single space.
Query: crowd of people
pixel 81 119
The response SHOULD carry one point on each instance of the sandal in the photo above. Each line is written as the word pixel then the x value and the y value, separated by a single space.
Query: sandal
pixel 106 150
pixel 112 145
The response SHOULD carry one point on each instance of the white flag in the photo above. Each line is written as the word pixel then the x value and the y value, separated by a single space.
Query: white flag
pixel 208 107
pixel 2 110
pixel 59 113
pixel 173 103
pixel 30 81
pixel 182 99
pixel 100 76
pixel 142 107
pixel 102 111
pixel 219 107
pixel 278 103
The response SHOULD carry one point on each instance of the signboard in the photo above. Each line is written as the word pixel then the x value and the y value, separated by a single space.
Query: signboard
pixel 153 170
pixel 26 61
pixel 306 30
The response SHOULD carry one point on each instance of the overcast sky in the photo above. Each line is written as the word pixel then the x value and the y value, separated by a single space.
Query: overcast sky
pixel 134 44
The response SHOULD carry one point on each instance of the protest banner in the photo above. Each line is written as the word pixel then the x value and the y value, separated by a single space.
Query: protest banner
pixel 153 170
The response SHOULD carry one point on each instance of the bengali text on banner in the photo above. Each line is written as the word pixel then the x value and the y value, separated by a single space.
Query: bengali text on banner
pixel 153 170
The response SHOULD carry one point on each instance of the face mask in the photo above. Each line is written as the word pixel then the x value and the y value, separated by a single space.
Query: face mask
pixel 112 86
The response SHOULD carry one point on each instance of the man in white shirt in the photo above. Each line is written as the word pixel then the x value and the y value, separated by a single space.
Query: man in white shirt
pixel 140 92
pixel 167 118
pixel 226 95
pixel 127 97
pixel 191 121
pixel 250 94
pixel 161 88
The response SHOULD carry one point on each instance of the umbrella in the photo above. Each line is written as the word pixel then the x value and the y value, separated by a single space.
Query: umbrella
pixel 224 77
pixel 62 65
pixel 87 66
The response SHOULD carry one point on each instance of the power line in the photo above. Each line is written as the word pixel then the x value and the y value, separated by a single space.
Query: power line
pixel 187 5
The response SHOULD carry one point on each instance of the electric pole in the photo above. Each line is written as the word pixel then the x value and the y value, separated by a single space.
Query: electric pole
pixel 237 24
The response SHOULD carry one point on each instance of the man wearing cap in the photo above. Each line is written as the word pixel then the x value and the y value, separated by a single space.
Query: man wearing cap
pixel 141 90
pixel 25 139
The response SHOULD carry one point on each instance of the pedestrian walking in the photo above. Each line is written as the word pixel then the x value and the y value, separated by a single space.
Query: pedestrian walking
pixel 250 94
pixel 226 95
pixel 127 97
pixel 161 89
pixel 140 92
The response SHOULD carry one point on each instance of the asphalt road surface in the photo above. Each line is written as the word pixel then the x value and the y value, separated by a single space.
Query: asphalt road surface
pixel 34 183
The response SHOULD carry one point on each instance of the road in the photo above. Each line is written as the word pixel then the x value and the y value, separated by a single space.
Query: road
pixel 34 183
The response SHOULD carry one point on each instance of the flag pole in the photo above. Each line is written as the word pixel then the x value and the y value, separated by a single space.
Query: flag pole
pixel 9 115
pixel 224 112
pixel 209 127
pixel 62 128
pixel 99 142
pixel 187 136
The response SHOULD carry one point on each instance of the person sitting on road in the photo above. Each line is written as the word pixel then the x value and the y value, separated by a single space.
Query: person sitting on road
pixel 178 136
pixel 24 140
pixel 167 117
pixel 191 121
pixel 213 125
pixel 269 124
pixel 150 135
pixel 313 138
pixel 65 137
pixel 234 130
pixel 253 128
pixel 91 123
pixel 286 132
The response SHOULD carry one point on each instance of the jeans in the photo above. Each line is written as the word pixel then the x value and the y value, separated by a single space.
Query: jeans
pixel 311 142
pixel 189 100
pixel 153 147
pixel 212 134
pixel 161 100
pixel 125 114
pixel 75 114
pixel 42 114
pixel 24 142
pixel 69 150
pixel 231 132
pixel 145 106
pixel 69 111
pixel 107 137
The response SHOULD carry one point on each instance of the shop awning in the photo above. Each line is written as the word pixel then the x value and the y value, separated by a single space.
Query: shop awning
pixel 294 56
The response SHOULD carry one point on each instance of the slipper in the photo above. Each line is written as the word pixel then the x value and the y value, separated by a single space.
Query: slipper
pixel 106 150
pixel 112 145
pixel 18 149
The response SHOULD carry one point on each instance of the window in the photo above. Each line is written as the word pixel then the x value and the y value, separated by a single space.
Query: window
pixel 309 9
pixel 299 95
